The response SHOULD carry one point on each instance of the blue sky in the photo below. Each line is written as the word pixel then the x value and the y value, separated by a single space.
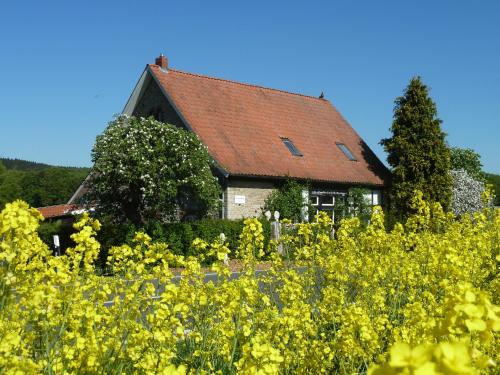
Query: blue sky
pixel 67 66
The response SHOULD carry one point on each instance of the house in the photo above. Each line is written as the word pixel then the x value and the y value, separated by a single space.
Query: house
pixel 260 136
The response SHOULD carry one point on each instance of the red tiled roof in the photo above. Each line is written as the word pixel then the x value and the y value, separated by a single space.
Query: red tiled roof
pixel 242 126
pixel 57 210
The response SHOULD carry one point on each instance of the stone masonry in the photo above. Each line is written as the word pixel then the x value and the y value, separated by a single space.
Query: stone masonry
pixel 245 198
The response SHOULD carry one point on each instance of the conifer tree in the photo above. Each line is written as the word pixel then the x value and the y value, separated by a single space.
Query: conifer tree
pixel 417 151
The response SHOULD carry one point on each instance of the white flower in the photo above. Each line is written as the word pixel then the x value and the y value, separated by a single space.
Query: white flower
pixel 467 192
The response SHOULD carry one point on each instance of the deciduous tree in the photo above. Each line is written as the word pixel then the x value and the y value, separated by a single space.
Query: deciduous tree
pixel 468 160
pixel 145 169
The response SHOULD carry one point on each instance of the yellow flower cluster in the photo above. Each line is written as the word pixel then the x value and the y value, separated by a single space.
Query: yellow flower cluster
pixel 443 358
pixel 419 299
pixel 251 241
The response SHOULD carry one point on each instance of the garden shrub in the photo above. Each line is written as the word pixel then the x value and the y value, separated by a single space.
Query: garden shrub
pixel 467 192
pixel 287 200
pixel 164 171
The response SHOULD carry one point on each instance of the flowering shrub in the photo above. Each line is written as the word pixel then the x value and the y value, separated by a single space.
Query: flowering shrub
pixel 466 193
pixel 422 298
pixel 144 169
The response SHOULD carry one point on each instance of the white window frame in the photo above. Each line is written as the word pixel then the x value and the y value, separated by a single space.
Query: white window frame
pixel 329 204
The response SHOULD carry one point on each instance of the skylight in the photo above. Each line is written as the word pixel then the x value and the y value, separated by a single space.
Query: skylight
pixel 291 147
pixel 347 152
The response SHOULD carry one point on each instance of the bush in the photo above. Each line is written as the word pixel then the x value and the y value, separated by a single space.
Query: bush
pixel 354 205
pixel 287 200
pixel 467 192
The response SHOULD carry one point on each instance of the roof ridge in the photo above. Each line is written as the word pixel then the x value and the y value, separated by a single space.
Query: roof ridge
pixel 243 83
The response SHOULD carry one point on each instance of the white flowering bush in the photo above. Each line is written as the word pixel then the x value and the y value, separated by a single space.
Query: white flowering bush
pixel 467 193
pixel 144 169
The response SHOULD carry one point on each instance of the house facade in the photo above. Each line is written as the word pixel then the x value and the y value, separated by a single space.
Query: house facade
pixel 259 137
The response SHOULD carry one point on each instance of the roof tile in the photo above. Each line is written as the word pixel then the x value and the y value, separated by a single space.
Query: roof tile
pixel 57 210
pixel 242 126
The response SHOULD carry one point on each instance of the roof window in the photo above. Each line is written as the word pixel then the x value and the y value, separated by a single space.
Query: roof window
pixel 347 152
pixel 291 147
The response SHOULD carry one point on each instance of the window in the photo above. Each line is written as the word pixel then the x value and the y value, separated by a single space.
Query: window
pixel 347 152
pixel 322 202
pixel 291 147
pixel 373 197
pixel 326 200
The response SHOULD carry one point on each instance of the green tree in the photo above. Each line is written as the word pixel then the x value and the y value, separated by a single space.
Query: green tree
pixel 494 179
pixel 417 152
pixel 38 184
pixel 468 160
pixel 51 185
pixel 287 200
pixel 144 169
pixel 11 187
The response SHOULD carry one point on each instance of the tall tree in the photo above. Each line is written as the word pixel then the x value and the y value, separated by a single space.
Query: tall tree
pixel 468 160
pixel 144 169
pixel 417 151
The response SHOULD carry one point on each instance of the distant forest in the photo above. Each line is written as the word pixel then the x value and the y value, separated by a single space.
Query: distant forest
pixel 36 183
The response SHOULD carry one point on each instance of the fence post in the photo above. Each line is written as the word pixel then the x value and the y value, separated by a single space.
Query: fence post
pixel 57 246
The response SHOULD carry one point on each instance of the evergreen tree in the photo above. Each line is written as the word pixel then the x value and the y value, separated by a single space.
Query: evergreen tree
pixel 417 151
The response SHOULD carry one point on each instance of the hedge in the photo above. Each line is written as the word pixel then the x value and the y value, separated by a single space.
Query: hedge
pixel 179 236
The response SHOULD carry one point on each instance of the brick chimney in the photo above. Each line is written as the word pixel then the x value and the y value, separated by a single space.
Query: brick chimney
pixel 162 62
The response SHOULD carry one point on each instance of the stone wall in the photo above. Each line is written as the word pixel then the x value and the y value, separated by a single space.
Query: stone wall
pixel 245 198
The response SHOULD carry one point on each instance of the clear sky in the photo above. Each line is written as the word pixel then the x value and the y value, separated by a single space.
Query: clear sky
pixel 67 66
